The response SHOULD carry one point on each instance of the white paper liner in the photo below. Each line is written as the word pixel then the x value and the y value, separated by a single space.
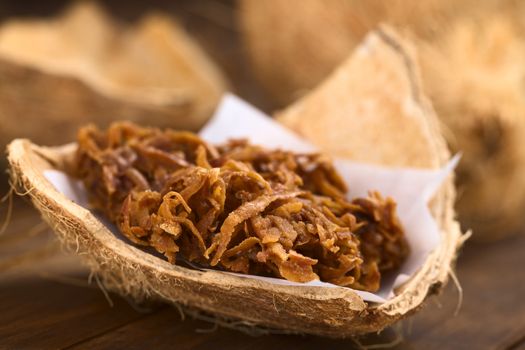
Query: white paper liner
pixel 410 188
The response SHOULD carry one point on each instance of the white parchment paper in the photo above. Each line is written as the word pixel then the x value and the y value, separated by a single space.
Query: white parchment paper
pixel 410 188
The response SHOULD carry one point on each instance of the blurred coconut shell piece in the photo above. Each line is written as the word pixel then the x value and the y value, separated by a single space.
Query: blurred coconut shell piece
pixel 472 58
pixel 58 74
pixel 333 312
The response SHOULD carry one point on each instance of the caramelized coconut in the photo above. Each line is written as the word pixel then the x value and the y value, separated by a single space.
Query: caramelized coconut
pixel 239 207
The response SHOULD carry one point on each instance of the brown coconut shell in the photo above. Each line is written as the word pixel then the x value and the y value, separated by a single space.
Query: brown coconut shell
pixel 58 74
pixel 293 47
pixel 334 312
pixel 474 74
pixel 472 69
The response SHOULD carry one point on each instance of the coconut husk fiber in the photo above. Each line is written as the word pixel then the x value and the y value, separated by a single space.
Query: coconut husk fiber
pixel 333 312
pixel 482 103
pixel 472 67
pixel 82 66
pixel 293 47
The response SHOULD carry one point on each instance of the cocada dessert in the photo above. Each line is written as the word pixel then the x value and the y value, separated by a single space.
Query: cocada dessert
pixel 370 91
pixel 239 207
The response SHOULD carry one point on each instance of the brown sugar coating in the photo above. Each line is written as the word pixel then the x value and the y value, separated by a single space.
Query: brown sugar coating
pixel 239 207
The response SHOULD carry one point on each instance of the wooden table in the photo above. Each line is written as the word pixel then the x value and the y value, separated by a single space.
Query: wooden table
pixel 46 301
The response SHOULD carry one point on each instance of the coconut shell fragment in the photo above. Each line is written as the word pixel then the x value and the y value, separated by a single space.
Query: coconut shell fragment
pixel 376 94
pixel 471 57
pixel 82 66
pixel 334 312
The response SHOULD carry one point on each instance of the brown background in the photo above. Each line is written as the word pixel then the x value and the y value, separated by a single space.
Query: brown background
pixel 46 300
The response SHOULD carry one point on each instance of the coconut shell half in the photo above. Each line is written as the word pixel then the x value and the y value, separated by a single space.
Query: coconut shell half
pixel 58 74
pixel 333 312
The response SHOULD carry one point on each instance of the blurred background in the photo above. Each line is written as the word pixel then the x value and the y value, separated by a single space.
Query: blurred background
pixel 64 64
